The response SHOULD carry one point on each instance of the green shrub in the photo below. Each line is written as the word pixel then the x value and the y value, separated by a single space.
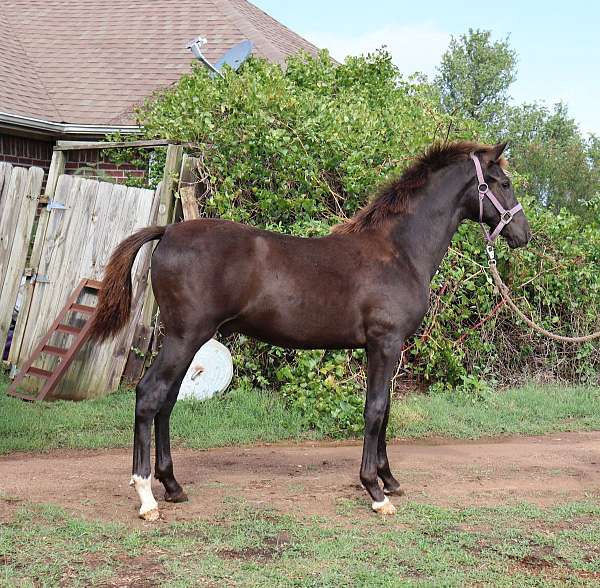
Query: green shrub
pixel 296 150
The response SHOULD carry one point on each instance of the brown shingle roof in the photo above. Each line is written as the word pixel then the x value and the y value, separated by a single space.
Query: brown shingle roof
pixel 88 62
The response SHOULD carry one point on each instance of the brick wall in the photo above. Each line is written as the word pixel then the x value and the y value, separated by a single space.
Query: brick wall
pixel 91 164
pixel 27 152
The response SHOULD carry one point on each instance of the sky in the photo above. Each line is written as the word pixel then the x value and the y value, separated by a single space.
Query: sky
pixel 557 43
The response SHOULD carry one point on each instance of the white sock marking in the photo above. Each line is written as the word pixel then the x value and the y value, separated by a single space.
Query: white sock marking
pixel 143 487
pixel 377 505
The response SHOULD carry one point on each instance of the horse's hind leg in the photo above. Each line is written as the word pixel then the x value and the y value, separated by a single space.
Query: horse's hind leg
pixel 163 468
pixel 151 394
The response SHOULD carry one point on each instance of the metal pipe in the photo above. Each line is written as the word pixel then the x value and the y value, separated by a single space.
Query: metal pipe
pixel 195 46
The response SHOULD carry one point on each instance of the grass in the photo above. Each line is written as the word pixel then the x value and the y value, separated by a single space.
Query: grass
pixel 241 417
pixel 423 545
pixel 246 416
pixel 529 410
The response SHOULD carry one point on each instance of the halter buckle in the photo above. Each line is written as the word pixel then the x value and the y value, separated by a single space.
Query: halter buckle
pixel 506 216
pixel 483 188
pixel 489 249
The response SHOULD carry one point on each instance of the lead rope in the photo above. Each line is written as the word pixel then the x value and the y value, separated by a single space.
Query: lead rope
pixel 504 292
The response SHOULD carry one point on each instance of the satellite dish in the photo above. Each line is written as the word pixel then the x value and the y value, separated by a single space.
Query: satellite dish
pixel 209 373
pixel 235 56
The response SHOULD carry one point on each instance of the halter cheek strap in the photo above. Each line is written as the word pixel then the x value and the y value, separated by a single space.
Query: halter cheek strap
pixel 484 190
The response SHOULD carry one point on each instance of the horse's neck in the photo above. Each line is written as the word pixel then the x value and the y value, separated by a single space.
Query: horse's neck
pixel 425 234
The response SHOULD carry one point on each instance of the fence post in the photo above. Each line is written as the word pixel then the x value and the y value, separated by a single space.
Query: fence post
pixel 187 188
pixel 169 181
pixel 166 195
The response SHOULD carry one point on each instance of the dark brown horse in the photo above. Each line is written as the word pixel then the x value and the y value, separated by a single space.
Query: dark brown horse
pixel 364 285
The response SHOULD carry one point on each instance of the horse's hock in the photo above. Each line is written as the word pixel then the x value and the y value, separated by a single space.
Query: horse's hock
pixel 75 233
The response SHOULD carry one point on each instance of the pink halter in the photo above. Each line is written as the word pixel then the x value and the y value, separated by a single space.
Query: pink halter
pixel 484 190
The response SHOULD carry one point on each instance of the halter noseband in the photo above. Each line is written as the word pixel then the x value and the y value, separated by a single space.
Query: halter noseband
pixel 484 190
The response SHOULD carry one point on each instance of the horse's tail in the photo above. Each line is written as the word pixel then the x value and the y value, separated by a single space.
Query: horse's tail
pixel 114 300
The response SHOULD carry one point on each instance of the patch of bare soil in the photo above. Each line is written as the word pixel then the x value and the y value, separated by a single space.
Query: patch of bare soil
pixel 311 478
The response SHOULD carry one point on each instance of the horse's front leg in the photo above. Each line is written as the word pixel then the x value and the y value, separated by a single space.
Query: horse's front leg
pixel 390 484
pixel 382 357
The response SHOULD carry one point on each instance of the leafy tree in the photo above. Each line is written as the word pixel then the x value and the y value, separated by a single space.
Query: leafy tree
pixel 300 148
pixel 294 148
pixel 475 74
pixel 561 168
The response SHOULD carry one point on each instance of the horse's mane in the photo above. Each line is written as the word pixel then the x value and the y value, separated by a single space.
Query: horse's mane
pixel 395 195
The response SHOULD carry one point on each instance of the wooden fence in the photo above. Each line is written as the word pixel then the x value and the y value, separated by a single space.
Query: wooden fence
pixel 74 239
pixel 19 193
pixel 78 243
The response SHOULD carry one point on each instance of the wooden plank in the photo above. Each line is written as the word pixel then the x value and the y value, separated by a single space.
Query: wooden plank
pixel 57 167
pixel 188 184
pixel 94 284
pixel 99 373
pixel 112 207
pixel 150 143
pixel 137 355
pixel 136 360
pixel 17 215
pixel 5 173
pixel 8 211
pixel 169 181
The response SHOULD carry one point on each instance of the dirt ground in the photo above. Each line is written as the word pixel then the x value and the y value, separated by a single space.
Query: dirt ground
pixel 312 478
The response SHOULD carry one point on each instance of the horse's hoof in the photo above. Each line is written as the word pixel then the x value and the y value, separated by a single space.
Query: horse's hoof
pixel 177 497
pixel 150 515
pixel 384 508
pixel 393 491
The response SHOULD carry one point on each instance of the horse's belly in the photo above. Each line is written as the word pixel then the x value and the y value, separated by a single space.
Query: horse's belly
pixel 318 330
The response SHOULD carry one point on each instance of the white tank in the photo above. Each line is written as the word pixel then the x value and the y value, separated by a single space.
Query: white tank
pixel 209 373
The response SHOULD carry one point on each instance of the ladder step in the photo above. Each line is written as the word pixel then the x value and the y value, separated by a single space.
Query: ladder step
pixel 39 372
pixel 83 308
pixel 93 284
pixel 68 329
pixel 17 394
pixel 51 350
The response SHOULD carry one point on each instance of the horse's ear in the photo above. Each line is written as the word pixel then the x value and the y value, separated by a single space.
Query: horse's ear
pixel 492 154
pixel 498 150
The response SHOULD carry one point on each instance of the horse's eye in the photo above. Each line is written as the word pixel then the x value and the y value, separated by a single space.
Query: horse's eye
pixel 505 184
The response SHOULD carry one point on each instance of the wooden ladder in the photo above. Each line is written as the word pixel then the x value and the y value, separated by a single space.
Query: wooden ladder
pixel 65 354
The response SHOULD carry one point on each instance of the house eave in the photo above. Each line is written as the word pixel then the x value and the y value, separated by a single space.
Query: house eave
pixel 22 123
